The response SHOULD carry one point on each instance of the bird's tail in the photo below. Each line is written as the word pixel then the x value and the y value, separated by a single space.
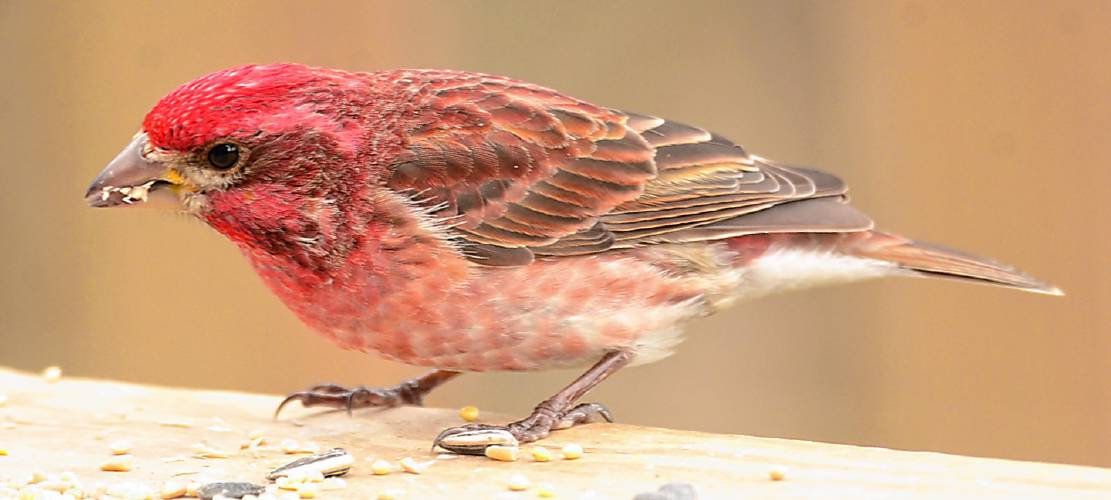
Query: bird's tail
pixel 935 260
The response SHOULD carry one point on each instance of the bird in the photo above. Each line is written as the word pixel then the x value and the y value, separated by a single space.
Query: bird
pixel 469 222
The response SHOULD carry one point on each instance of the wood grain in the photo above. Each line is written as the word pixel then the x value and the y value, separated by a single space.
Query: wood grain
pixel 68 425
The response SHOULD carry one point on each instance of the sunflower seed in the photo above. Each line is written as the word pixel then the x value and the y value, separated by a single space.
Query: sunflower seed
pixel 334 462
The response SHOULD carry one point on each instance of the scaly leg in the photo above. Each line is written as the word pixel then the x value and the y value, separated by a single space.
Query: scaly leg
pixel 556 412
pixel 410 392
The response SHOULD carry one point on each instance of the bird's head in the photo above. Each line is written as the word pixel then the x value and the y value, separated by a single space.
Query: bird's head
pixel 253 150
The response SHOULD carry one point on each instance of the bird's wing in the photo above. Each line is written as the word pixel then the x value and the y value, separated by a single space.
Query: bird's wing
pixel 517 166
pixel 709 188
pixel 524 171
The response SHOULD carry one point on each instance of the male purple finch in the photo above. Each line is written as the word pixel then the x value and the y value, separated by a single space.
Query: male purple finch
pixel 470 222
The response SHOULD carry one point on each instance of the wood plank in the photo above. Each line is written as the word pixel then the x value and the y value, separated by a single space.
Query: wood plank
pixel 68 425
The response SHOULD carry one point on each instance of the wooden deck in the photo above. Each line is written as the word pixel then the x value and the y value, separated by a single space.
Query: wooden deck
pixel 68 426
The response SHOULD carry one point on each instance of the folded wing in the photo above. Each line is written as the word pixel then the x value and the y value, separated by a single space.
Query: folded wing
pixel 522 171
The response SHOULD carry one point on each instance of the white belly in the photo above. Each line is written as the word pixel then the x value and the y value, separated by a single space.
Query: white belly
pixel 783 270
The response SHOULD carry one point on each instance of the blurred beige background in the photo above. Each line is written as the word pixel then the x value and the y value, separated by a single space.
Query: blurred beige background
pixel 983 125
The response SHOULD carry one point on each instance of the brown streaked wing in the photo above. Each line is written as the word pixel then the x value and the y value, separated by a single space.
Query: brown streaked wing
pixel 593 240
pixel 811 215
pixel 524 171
pixel 710 188
pixel 517 166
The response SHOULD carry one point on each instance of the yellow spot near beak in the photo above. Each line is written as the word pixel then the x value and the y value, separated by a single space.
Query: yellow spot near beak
pixel 179 182
pixel 173 176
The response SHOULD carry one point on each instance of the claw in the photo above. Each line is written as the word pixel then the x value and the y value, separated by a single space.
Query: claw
pixel 583 413
pixel 338 396
pixel 603 412
pixel 554 413
pixel 291 397
pixel 473 439
pixel 300 396
pixel 358 391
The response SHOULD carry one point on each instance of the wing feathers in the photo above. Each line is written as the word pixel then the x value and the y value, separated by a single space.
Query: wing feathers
pixel 528 171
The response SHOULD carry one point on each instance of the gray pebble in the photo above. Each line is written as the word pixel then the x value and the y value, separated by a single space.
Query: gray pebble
pixel 670 491
pixel 230 490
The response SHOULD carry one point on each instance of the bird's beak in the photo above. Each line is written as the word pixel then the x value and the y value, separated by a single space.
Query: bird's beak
pixel 131 179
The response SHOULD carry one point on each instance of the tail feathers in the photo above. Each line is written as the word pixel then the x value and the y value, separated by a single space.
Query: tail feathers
pixel 935 260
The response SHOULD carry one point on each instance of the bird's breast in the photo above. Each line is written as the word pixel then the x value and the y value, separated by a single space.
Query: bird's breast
pixel 548 314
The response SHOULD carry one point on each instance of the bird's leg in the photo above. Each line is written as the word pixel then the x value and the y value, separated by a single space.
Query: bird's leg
pixel 410 392
pixel 556 412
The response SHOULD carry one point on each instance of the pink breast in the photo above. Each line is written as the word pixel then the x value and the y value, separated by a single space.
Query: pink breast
pixel 549 314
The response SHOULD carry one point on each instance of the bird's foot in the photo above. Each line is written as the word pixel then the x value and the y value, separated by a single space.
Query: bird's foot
pixel 473 439
pixel 410 392
pixel 556 412
pixel 338 396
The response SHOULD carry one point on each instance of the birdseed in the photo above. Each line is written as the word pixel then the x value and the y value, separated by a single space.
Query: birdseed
pixel 381 467
pixel 308 490
pixel 52 374
pixel 334 462
pixel 541 454
pixel 122 463
pixel 478 439
pixel 518 482
pixel 121 447
pixel 572 451
pixel 412 466
pixel 285 483
pixel 131 194
pixel 203 450
pixel 292 447
pixel 468 413
pixel 173 489
pixel 777 474
pixel 55 485
pixel 502 453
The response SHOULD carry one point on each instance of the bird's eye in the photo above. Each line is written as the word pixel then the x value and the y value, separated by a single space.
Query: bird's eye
pixel 223 155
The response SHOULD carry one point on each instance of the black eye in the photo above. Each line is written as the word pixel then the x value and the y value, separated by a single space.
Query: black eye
pixel 223 155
